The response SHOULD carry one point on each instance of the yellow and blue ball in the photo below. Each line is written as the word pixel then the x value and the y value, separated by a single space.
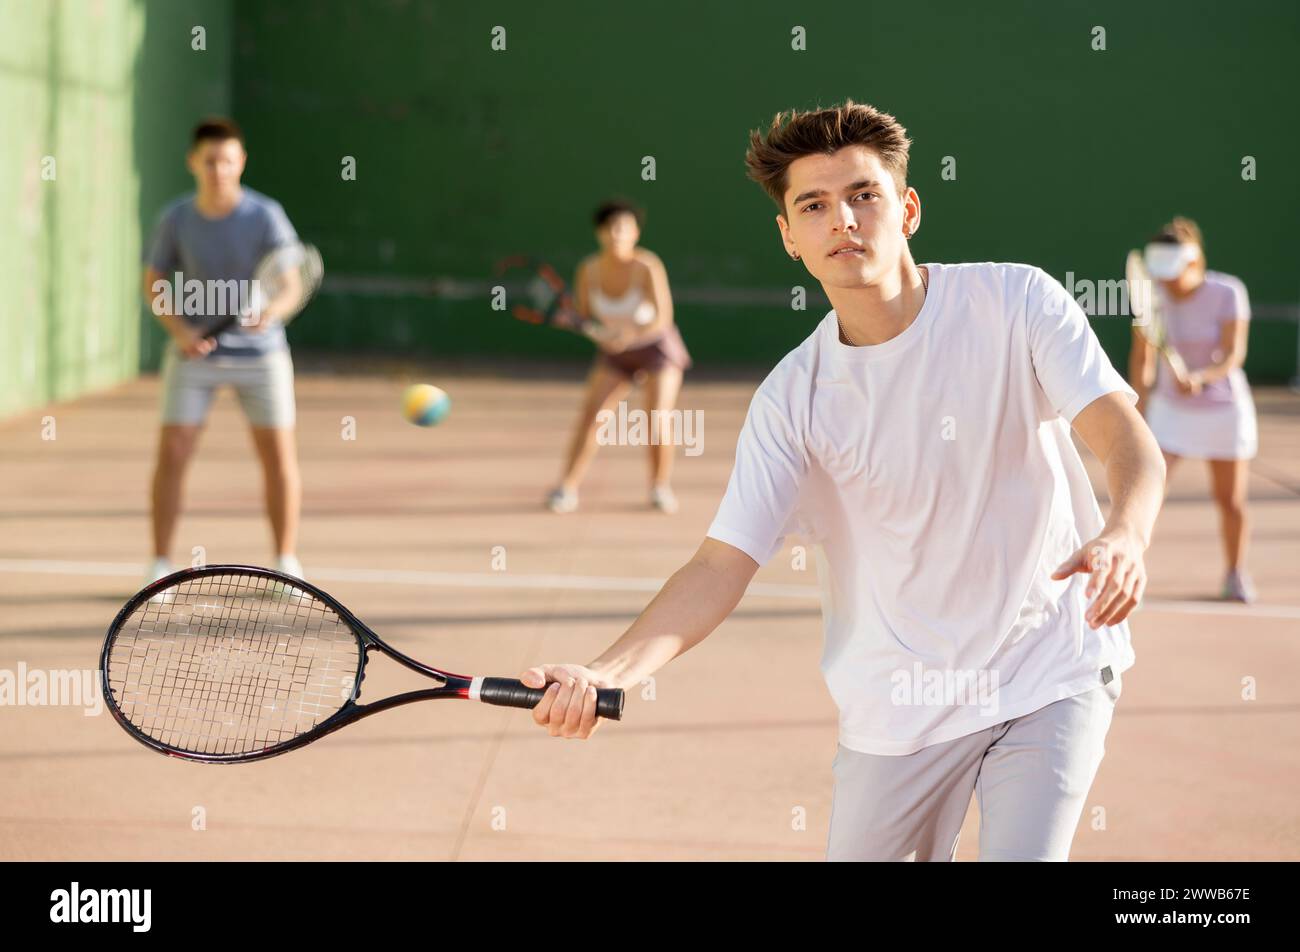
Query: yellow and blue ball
pixel 425 405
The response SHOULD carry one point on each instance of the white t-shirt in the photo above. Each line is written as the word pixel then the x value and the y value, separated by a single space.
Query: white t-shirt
pixel 935 476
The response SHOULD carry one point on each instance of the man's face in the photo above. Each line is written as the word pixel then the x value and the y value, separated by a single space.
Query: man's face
pixel 848 196
pixel 217 164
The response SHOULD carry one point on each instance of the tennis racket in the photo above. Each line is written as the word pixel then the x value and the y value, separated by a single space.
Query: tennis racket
pixel 285 280
pixel 1148 312
pixel 231 663
pixel 538 295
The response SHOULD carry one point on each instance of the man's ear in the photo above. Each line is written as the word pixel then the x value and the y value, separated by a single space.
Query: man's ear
pixel 912 194
pixel 783 228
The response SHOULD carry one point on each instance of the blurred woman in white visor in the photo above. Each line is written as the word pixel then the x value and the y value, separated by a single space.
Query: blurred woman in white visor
pixel 1207 411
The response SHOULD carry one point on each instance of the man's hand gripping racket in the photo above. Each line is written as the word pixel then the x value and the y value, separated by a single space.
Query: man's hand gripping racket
pixel 569 707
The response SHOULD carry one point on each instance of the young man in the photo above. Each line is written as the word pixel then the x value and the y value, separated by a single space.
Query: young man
pixel 973 599
pixel 218 234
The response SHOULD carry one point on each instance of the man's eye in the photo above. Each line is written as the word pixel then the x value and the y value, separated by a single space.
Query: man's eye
pixel 811 206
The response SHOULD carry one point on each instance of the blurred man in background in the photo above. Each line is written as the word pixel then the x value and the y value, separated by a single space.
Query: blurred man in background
pixel 218 234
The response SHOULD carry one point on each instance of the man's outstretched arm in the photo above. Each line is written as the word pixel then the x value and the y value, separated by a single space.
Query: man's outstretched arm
pixel 691 604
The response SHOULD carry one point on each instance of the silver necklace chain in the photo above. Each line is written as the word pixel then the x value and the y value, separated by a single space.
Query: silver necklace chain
pixel 925 290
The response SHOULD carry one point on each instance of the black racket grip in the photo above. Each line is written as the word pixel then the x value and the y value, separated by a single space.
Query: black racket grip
pixel 221 328
pixel 509 692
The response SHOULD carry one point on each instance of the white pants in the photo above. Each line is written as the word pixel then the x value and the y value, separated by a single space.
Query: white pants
pixel 1031 776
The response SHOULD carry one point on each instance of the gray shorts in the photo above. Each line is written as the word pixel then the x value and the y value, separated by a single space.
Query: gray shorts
pixel 1030 775
pixel 264 385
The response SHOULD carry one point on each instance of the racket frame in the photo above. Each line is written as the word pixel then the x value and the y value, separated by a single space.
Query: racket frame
pixel 1150 324
pixel 311 253
pixel 562 313
pixel 456 685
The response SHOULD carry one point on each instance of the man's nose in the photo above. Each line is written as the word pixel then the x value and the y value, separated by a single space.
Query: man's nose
pixel 844 218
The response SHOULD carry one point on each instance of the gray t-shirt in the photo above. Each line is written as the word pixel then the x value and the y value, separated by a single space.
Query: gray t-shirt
pixel 220 250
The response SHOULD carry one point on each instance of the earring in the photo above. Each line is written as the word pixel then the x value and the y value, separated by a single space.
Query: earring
pixel 794 256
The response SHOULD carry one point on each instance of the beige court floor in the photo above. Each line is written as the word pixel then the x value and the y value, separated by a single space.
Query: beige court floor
pixel 727 758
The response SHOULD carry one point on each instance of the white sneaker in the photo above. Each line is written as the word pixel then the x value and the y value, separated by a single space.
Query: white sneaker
pixel 562 500
pixel 157 569
pixel 289 565
pixel 662 498
pixel 1237 587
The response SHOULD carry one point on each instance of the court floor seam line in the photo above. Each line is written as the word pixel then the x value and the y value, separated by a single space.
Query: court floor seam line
pixel 586 583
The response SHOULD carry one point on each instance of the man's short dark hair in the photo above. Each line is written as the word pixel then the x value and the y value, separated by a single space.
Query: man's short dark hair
pixel 794 134
pixel 216 129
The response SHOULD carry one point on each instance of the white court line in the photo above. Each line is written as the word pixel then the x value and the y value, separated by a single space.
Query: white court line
pixel 608 583
pixel 605 583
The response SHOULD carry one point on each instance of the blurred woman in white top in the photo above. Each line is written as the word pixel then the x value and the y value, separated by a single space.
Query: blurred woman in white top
pixel 1206 413
pixel 625 289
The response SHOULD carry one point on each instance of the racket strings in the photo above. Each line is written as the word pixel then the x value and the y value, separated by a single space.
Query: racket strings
pixel 1147 307
pixel 542 292
pixel 231 663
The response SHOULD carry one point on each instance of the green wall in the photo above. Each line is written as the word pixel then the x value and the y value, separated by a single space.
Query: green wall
pixel 1066 156
pixel 175 85
pixel 106 89
pixel 65 188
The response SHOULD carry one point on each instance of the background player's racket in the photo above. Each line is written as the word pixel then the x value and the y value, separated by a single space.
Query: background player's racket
pixel 285 280
pixel 230 663
pixel 538 295
pixel 1148 313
